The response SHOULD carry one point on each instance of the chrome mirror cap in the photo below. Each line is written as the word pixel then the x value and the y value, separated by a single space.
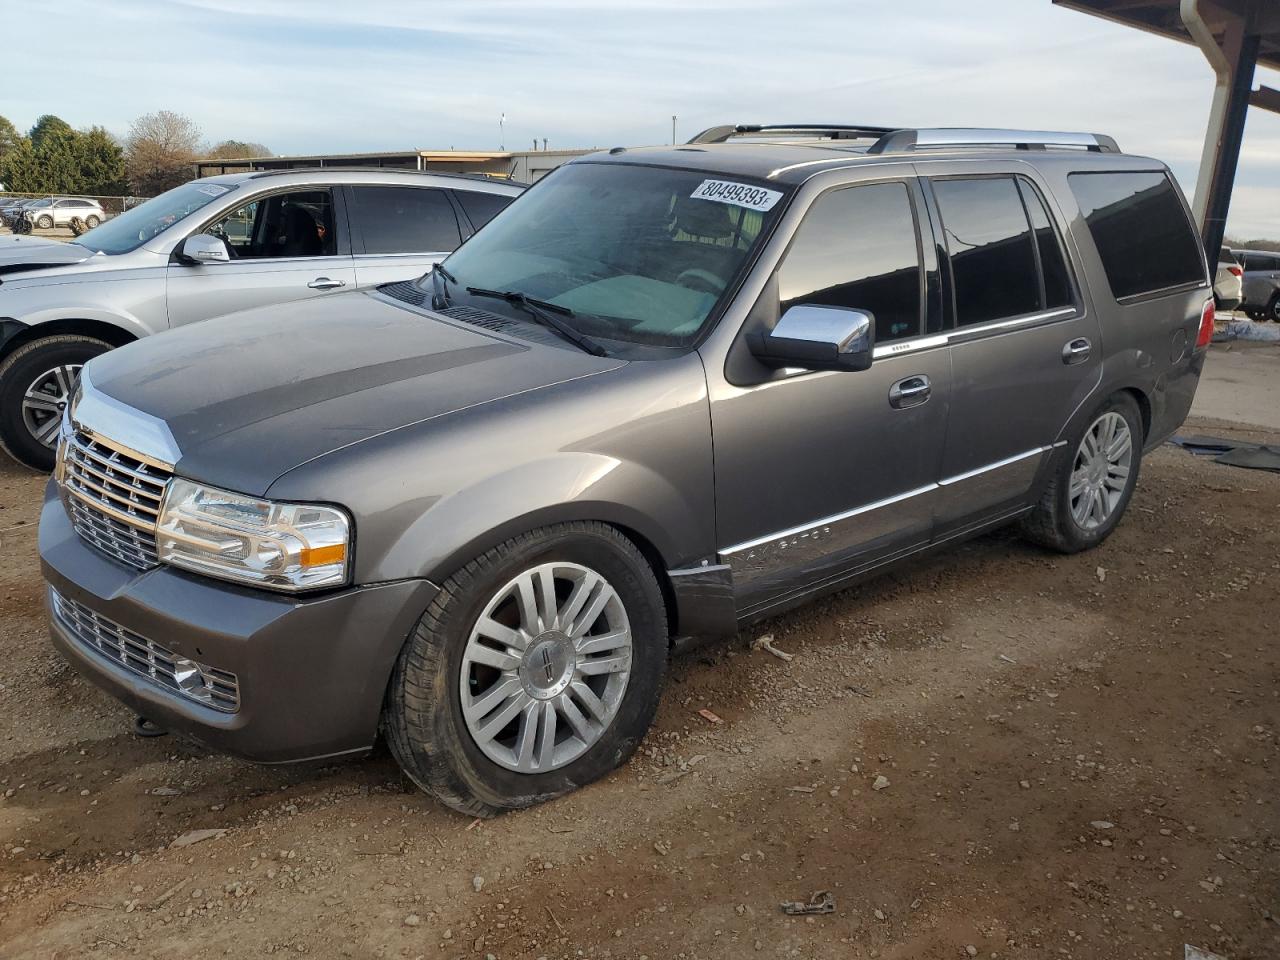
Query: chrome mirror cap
pixel 205 248
pixel 818 338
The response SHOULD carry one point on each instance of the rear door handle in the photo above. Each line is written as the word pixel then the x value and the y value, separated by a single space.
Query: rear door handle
pixel 1077 351
pixel 910 392
pixel 324 283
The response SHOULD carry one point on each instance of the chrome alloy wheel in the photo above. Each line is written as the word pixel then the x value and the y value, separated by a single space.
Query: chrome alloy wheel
pixel 545 667
pixel 46 398
pixel 1101 470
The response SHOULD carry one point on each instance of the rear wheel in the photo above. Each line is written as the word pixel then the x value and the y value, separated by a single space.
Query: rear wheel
pixel 536 670
pixel 36 382
pixel 1090 488
pixel 1273 309
pixel 92 220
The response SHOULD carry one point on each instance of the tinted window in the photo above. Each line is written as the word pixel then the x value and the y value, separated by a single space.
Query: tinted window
pixel 481 207
pixel 404 220
pixel 280 225
pixel 993 263
pixel 857 248
pixel 1141 230
pixel 1053 265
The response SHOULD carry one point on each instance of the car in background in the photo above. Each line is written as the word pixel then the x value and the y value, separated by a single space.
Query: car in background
pixel 13 212
pixel 51 212
pixel 1261 283
pixel 210 247
pixel 1228 283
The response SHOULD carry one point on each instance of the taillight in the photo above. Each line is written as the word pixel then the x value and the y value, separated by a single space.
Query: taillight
pixel 1206 325
pixel 1235 271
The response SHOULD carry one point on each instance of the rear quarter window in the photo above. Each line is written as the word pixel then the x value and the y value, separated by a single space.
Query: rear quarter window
pixel 1141 230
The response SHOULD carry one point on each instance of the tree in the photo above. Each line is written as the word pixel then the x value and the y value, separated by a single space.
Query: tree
pixel 101 163
pixel 48 126
pixel 236 150
pixel 160 150
pixel 19 170
pixel 9 136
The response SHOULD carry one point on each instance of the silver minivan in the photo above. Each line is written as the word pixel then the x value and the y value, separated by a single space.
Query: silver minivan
pixel 206 248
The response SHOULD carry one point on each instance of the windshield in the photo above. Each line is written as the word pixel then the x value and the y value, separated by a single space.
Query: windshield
pixel 135 227
pixel 636 253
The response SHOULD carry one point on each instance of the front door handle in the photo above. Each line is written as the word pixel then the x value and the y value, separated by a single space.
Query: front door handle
pixel 1077 351
pixel 910 392
pixel 324 283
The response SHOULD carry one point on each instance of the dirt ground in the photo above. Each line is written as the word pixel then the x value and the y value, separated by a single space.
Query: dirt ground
pixel 1079 757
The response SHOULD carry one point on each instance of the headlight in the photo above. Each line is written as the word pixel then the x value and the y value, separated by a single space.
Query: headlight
pixel 282 546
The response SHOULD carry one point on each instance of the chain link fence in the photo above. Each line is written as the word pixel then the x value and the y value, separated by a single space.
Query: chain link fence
pixel 13 221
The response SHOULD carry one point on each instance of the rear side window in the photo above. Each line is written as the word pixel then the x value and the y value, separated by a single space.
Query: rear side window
pixel 1141 230
pixel 1053 266
pixel 479 207
pixel 993 259
pixel 404 220
pixel 857 248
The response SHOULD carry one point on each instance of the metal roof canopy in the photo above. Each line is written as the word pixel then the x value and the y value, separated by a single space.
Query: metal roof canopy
pixel 1234 36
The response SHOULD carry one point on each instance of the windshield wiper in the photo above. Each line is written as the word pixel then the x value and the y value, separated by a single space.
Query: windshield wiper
pixel 545 312
pixel 437 291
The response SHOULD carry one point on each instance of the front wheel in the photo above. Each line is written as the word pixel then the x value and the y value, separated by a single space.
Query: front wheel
pixel 92 220
pixel 45 222
pixel 1091 487
pixel 1273 309
pixel 535 671
pixel 36 382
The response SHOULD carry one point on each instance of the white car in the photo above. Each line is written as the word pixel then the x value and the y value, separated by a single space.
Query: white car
pixel 59 212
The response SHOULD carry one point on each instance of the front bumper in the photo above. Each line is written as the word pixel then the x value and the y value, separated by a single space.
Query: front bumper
pixel 312 672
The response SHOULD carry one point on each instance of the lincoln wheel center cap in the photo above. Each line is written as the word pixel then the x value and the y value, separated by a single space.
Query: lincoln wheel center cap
pixel 548 665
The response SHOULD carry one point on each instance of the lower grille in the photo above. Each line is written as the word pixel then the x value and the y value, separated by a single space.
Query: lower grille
pixel 195 681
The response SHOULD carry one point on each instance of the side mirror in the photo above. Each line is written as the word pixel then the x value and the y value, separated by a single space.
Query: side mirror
pixel 204 248
pixel 817 338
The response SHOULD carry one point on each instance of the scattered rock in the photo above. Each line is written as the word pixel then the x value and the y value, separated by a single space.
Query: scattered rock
pixel 198 836
pixel 1101 824
pixel 412 920
pixel 880 782
pixel 477 883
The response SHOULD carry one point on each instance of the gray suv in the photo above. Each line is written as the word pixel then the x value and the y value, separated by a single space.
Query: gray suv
pixel 667 393
pixel 211 247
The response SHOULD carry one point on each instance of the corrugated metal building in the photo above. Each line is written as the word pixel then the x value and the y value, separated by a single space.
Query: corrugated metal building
pixel 522 166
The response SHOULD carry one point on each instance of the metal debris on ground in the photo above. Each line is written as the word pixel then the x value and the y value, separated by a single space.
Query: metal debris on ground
pixel 1195 953
pixel 708 716
pixel 821 902
pixel 1233 453
pixel 766 643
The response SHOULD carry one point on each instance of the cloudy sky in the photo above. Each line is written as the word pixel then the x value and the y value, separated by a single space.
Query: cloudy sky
pixel 308 76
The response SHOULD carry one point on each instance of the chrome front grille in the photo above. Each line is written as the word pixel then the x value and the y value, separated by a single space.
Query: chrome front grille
pixel 187 678
pixel 113 497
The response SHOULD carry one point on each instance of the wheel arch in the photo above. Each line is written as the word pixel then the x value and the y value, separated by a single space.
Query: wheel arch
pixel 15 334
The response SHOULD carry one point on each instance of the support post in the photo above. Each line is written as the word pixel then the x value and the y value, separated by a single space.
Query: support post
pixel 1233 64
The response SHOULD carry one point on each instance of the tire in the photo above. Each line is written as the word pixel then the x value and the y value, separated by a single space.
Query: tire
pixel 424 720
pixel 1273 309
pixel 45 222
pixel 1053 523
pixel 92 220
pixel 35 368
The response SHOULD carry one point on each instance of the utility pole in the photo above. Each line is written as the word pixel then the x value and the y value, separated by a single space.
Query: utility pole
pixel 673 130
pixel 502 133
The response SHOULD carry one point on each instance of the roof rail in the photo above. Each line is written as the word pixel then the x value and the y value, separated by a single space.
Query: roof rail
pixel 338 168
pixel 832 131
pixel 978 137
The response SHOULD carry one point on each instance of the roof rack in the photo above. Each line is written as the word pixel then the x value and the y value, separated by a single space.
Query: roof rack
pixel 831 131
pixel 898 140
pixel 337 168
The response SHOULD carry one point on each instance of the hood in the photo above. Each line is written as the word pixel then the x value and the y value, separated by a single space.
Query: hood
pixel 248 397
pixel 20 253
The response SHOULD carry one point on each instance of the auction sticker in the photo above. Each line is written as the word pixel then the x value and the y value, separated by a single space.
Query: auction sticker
pixel 739 194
